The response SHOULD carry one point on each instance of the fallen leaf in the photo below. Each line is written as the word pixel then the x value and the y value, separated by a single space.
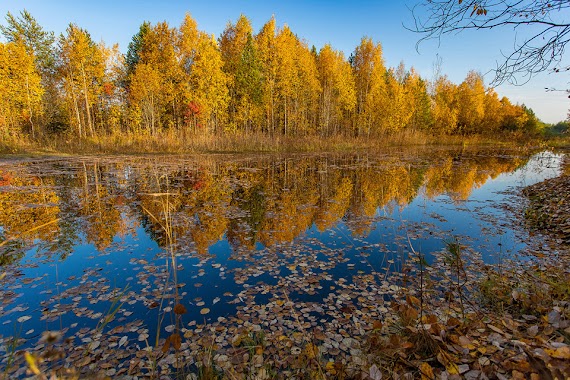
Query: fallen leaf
pixel 179 309
pixel 375 373
pixel 496 329
pixel 559 353
pixel 176 341
pixel 31 360
pixel 427 371
pixel 166 345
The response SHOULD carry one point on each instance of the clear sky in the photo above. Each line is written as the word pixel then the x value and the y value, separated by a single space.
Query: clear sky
pixel 341 23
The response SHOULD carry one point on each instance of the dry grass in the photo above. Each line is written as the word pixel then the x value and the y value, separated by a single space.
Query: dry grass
pixel 178 142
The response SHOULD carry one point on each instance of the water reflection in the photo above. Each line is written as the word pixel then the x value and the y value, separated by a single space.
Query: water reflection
pixel 248 201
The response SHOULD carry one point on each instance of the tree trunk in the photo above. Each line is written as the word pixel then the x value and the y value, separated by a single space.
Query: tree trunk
pixel 87 108
pixel 75 105
pixel 30 106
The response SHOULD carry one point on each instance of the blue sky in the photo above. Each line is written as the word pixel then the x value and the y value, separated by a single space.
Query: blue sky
pixel 340 23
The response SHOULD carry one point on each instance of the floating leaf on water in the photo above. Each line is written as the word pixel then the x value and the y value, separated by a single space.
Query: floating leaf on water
pixel 32 363
pixel 24 318
pixel 123 340
pixel 176 341
pixel 179 309
pixel 204 311
pixel 166 345
pixel 170 328
pixel 216 300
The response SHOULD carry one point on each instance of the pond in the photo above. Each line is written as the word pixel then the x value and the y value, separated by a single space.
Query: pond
pixel 118 253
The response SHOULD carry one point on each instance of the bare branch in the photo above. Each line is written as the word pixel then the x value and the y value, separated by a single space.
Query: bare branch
pixel 540 52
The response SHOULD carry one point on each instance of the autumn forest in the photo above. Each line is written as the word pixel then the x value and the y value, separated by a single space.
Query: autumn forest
pixel 182 82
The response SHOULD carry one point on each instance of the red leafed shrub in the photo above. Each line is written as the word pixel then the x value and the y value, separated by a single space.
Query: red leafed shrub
pixel 192 109
pixel 108 88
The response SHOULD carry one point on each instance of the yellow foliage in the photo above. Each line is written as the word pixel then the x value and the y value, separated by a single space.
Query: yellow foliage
pixel 20 98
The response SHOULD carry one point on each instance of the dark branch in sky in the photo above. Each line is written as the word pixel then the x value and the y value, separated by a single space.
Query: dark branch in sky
pixel 542 50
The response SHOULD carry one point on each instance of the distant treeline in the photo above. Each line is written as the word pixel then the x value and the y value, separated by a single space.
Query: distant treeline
pixel 185 81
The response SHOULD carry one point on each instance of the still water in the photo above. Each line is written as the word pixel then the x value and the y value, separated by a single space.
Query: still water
pixel 110 245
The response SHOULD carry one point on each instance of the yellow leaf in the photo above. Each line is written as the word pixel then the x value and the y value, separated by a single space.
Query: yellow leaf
pixel 452 368
pixel 31 360
pixel 427 371
pixel 559 353
pixel 330 368
pixel 311 350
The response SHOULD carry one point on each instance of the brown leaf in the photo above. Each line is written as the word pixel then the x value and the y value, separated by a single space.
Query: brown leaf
pixel 496 329
pixel 464 341
pixel 532 331
pixel 453 322
pixel 179 309
pixel 166 345
pixel 176 341
pixel 412 301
